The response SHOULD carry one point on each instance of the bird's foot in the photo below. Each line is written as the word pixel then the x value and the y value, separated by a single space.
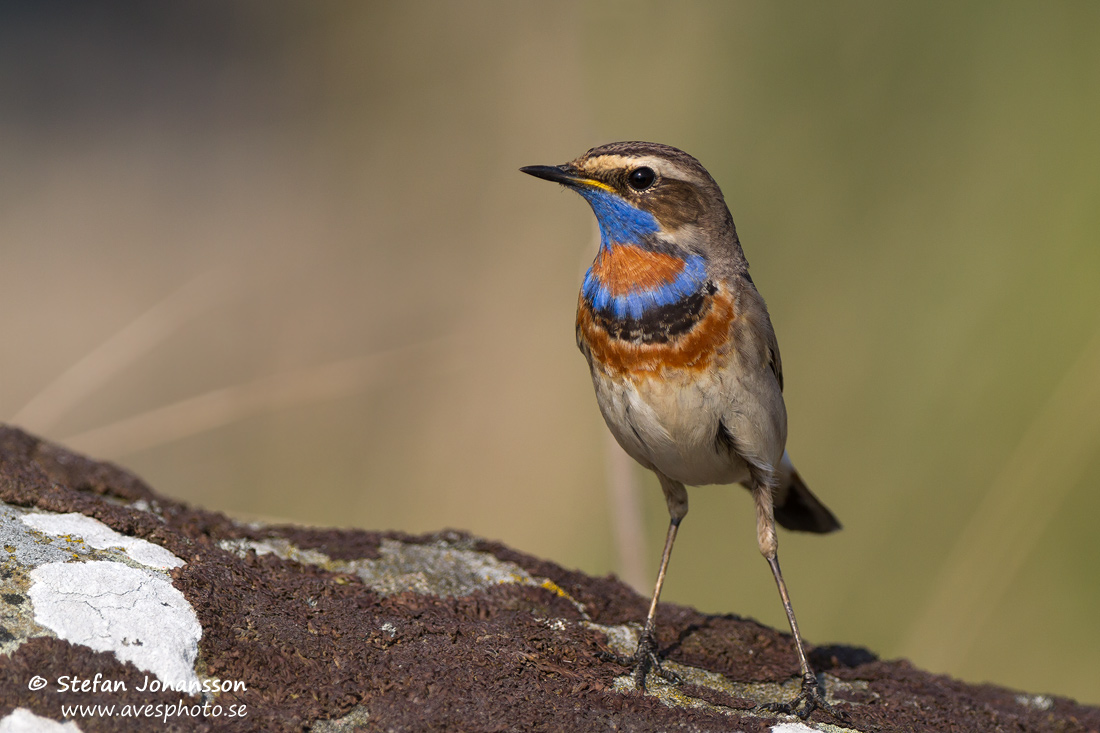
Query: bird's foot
pixel 811 698
pixel 644 661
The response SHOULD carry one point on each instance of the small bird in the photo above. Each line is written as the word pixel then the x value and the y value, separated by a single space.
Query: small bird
pixel 684 358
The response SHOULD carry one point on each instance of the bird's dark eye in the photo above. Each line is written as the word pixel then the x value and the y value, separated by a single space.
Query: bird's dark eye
pixel 641 178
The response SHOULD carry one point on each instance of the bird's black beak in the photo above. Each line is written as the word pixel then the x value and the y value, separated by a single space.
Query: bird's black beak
pixel 563 174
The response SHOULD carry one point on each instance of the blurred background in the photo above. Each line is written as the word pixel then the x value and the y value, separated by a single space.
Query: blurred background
pixel 277 259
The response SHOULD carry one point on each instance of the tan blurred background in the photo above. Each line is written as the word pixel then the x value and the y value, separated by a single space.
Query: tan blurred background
pixel 277 259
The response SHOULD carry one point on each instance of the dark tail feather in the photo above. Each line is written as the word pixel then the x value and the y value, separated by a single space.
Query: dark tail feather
pixel 800 510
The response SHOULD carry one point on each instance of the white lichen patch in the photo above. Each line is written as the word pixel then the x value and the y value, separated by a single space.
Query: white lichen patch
pixel 149 507
pixel 440 568
pixel 357 719
pixel 112 607
pixel 437 569
pixel 31 539
pixel 623 640
pixel 22 720
pixel 101 537
pixel 674 696
pixel 1035 702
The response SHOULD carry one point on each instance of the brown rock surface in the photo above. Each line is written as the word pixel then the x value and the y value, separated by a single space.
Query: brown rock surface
pixel 388 632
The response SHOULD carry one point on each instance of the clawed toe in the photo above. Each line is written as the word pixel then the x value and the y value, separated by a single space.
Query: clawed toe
pixel 644 661
pixel 809 699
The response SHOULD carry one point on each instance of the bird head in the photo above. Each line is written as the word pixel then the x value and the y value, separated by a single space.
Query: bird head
pixel 664 225
pixel 647 193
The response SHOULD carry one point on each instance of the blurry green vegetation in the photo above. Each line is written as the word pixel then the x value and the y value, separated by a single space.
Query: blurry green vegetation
pixel 286 253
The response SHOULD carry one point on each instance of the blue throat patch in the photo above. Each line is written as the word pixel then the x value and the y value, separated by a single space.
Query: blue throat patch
pixel 620 222
pixel 623 224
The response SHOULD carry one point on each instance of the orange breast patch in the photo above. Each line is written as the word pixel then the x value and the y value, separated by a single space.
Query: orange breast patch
pixel 696 349
pixel 624 269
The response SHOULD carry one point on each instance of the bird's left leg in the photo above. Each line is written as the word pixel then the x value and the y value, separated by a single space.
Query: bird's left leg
pixel 812 696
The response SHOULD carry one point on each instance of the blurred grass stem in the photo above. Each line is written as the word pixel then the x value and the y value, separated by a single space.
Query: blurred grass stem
pixel 627 526
pixel 1051 458
pixel 124 348
pixel 223 406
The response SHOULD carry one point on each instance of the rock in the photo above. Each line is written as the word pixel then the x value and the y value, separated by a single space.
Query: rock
pixel 122 610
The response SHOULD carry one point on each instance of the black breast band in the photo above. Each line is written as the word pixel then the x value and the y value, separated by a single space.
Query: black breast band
pixel 659 324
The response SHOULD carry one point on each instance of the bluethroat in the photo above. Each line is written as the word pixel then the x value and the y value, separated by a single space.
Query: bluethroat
pixel 683 356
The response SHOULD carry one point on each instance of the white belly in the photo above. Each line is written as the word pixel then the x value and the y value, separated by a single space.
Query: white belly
pixel 670 426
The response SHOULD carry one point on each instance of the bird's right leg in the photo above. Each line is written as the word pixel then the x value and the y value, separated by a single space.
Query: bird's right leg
pixel 645 657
